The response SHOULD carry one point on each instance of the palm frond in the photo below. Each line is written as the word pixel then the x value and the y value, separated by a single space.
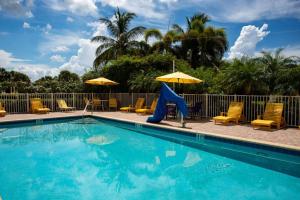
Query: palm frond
pixel 102 39
pixel 136 31
pixel 103 47
pixel 104 57
pixel 112 28
pixel 177 29
pixel 152 33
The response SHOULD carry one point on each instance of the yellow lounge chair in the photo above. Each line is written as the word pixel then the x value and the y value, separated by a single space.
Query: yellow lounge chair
pixel 138 105
pixel 234 114
pixel 38 107
pixel 63 105
pixel 113 103
pixel 2 110
pixel 271 117
pixel 148 110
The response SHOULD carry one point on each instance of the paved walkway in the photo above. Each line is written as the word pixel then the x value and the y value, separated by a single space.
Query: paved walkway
pixel 289 138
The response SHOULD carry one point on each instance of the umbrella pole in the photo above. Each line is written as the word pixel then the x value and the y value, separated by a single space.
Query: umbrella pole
pixel 182 121
pixel 173 72
pixel 109 98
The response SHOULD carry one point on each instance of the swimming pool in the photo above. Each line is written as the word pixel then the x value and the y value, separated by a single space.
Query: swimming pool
pixel 95 158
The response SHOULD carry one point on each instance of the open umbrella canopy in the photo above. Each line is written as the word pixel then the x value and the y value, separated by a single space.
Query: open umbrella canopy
pixel 178 77
pixel 101 81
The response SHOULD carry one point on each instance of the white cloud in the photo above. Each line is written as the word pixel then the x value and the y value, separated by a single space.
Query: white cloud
pixel 6 58
pixel 60 49
pixel 57 58
pixel 245 10
pixel 70 19
pixel 34 71
pixel 78 63
pixel 98 28
pixel 58 43
pixel 26 25
pixel 78 7
pixel 84 58
pixel 148 9
pixel 17 8
pixel 291 50
pixel 29 14
pixel 245 45
pixel 169 2
pixel 47 28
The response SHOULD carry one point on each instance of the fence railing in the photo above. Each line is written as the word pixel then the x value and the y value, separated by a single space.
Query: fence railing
pixel 254 105
pixel 212 104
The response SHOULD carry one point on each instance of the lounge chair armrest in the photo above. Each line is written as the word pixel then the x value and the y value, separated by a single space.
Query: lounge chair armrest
pixel 223 113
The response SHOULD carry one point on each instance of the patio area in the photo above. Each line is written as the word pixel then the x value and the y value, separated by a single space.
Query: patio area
pixel 286 138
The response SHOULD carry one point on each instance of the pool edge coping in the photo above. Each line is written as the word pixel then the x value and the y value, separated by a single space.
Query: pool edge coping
pixel 235 138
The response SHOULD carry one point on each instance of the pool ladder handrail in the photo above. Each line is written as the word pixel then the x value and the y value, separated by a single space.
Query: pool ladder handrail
pixel 85 108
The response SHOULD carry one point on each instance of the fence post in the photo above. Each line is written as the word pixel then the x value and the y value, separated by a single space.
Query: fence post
pixel 73 99
pixel 52 103
pixel 131 98
pixel 146 99
pixel 27 102
pixel 206 105
pixel 234 97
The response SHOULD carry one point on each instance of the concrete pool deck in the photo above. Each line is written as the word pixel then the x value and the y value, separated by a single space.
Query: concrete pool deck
pixel 286 138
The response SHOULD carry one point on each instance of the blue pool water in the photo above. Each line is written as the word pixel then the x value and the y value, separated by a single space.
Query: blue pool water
pixel 99 159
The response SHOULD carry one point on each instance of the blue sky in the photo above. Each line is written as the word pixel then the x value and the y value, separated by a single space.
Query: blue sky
pixel 42 37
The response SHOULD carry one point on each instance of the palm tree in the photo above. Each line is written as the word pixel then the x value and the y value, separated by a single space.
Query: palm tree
pixel 122 40
pixel 276 65
pixel 244 76
pixel 165 43
pixel 153 33
pixel 201 45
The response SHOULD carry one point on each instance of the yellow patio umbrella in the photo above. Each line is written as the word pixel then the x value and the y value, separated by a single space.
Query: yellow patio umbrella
pixel 101 81
pixel 181 78
pixel 178 77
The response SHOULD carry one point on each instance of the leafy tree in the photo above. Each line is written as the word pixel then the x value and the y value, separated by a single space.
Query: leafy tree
pixel 47 84
pixel 205 74
pixel 144 81
pixel 13 81
pixel 126 68
pixel 122 39
pixel 67 76
pixel 66 82
pixel 4 75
